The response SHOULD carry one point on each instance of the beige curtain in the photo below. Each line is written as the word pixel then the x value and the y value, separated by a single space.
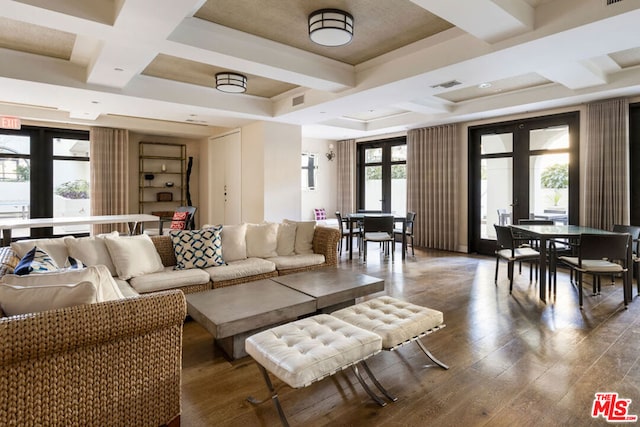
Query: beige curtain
pixel 607 164
pixel 432 185
pixel 346 158
pixel 109 175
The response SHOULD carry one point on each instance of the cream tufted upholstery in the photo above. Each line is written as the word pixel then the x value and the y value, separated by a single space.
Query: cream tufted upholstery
pixel 310 349
pixel 396 321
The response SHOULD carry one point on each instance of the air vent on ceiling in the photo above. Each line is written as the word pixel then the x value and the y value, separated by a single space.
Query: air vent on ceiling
pixel 613 1
pixel 297 100
pixel 447 85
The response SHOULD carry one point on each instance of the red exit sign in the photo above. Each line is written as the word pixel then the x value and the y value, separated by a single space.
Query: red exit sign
pixel 9 122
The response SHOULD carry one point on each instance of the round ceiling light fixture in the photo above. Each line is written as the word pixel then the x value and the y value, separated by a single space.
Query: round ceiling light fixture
pixel 231 82
pixel 330 27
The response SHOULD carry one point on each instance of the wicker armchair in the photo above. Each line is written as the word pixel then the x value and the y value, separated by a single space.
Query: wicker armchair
pixel 106 364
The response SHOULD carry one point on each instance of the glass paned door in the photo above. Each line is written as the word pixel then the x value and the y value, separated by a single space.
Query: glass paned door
pixel 522 170
pixel 382 176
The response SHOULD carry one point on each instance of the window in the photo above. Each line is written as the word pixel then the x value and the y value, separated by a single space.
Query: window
pixel 44 173
pixel 382 176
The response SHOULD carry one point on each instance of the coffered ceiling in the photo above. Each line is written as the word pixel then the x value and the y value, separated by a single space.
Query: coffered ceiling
pixel 411 63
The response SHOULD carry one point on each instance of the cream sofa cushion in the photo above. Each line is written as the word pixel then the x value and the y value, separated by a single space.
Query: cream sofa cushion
pixel 16 299
pixel 133 255
pixel 55 247
pixel 241 268
pixel 304 236
pixel 286 239
pixel 169 279
pixel 262 240
pixel 297 261
pixel 92 251
pixel 234 243
pixel 98 275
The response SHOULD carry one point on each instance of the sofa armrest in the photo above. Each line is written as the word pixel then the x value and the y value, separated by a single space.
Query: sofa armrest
pixel 110 363
pixel 325 242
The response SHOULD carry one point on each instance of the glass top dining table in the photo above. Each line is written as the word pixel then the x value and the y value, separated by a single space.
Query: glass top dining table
pixel 354 218
pixel 545 233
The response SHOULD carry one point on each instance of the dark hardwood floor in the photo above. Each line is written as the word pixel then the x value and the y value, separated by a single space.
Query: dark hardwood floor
pixel 514 360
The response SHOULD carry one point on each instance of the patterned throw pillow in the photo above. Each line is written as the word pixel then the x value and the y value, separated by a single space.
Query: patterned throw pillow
pixel 197 248
pixel 321 214
pixel 35 261
pixel 74 264
pixel 179 220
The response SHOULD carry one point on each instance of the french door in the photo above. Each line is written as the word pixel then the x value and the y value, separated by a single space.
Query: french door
pixel 524 169
pixel 382 176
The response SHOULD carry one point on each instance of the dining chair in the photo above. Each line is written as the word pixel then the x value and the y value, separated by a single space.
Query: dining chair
pixel 509 248
pixel 344 230
pixel 596 253
pixel 408 230
pixel 634 231
pixel 378 229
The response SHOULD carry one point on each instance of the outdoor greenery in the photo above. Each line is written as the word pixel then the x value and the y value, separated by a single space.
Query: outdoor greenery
pixel 555 177
pixel 78 189
pixel 23 173
pixel 397 172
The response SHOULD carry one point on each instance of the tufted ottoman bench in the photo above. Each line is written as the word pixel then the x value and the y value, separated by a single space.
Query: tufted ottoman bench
pixel 310 349
pixel 396 322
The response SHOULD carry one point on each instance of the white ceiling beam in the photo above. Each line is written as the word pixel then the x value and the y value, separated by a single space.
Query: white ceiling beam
pixel 574 75
pixel 207 42
pixel 488 20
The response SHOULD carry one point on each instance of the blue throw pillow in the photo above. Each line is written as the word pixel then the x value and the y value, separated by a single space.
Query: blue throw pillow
pixel 197 248
pixel 74 264
pixel 35 261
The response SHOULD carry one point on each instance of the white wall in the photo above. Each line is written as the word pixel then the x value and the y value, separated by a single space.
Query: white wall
pixel 326 192
pixel 270 172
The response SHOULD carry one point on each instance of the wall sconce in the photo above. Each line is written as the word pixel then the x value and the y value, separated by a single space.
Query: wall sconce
pixel 331 154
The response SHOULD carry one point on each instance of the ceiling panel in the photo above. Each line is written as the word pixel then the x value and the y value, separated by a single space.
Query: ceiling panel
pixel 524 81
pixel 627 58
pixel 197 73
pixel 30 38
pixel 285 21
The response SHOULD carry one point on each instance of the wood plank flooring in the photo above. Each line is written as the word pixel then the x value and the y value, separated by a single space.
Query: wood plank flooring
pixel 513 360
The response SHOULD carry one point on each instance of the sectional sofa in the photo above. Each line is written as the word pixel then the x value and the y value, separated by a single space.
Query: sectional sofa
pixel 113 356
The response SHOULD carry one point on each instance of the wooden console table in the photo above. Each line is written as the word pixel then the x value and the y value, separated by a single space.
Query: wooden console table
pixel 132 220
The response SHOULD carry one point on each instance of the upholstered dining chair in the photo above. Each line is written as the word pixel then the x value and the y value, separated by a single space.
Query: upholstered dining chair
pixel 344 230
pixel 378 229
pixel 634 231
pixel 509 249
pixel 596 253
pixel 408 230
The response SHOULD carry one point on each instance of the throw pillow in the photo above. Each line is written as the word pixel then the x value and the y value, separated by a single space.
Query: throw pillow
pixel 234 243
pixel 304 236
pixel 55 247
pixel 197 248
pixel 73 264
pixel 262 240
pixel 179 220
pixel 133 256
pixel 98 275
pixel 320 214
pixel 16 299
pixel 35 261
pixel 286 239
pixel 92 251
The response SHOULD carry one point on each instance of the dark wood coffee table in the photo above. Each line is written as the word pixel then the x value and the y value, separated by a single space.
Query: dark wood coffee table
pixel 233 313
pixel 333 289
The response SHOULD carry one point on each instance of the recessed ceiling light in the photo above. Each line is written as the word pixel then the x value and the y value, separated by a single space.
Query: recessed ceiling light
pixel 484 85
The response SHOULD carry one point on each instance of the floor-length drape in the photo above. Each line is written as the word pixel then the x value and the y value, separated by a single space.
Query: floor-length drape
pixel 607 164
pixel 346 158
pixel 432 185
pixel 109 175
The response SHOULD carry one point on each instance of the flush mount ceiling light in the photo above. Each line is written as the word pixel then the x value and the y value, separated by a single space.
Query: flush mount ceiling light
pixel 330 27
pixel 231 82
